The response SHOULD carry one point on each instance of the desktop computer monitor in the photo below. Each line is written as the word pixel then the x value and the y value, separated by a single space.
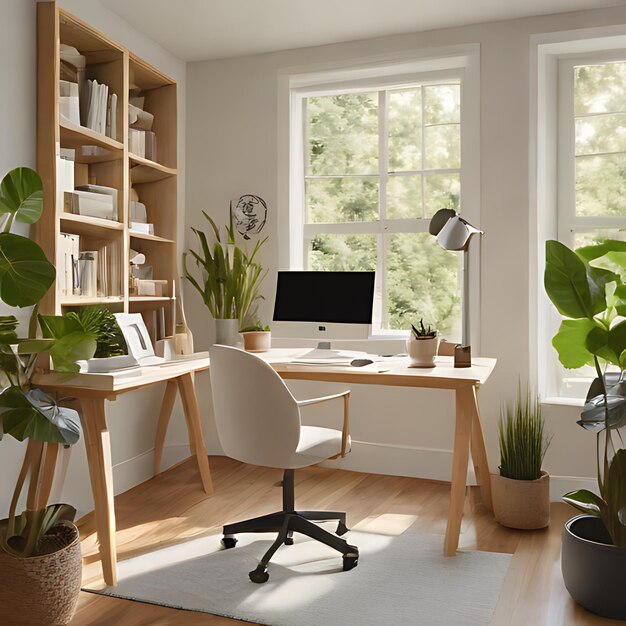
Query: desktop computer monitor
pixel 324 305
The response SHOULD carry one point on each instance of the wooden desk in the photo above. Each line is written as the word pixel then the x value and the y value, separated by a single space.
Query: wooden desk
pixel 468 431
pixel 92 392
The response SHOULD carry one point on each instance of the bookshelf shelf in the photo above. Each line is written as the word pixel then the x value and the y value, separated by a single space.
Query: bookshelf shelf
pixel 75 136
pixel 146 171
pixel 154 238
pixel 104 162
pixel 91 301
pixel 90 226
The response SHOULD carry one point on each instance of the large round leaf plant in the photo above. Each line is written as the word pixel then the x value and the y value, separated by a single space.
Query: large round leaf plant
pixel 25 412
pixel 588 287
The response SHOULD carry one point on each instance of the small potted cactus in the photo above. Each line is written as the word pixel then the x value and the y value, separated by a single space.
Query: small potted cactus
pixel 256 338
pixel 422 345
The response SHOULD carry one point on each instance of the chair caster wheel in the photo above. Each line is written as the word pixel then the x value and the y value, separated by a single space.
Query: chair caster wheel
pixel 351 560
pixel 229 542
pixel 342 529
pixel 289 541
pixel 259 575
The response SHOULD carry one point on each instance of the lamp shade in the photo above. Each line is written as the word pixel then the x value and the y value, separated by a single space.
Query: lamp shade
pixel 451 230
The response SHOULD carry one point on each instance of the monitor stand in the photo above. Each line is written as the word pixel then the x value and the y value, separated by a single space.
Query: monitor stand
pixel 323 345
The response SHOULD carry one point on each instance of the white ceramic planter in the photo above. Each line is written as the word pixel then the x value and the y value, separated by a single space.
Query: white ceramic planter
pixel 422 350
pixel 257 340
pixel 227 332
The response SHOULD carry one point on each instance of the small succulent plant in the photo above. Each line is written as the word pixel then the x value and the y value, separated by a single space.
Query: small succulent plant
pixel 422 331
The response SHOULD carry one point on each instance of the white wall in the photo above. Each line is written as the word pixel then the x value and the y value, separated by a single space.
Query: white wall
pixel 132 419
pixel 232 109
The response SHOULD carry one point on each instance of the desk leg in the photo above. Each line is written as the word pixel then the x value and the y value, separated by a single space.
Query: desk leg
pixel 98 447
pixel 462 435
pixel 192 415
pixel 479 453
pixel 164 419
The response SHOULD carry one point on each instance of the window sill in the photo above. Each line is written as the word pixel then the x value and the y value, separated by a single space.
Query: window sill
pixel 558 401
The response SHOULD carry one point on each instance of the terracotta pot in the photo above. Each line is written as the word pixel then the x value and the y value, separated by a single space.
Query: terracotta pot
pixel 422 350
pixel 257 340
pixel 522 504
pixel 42 589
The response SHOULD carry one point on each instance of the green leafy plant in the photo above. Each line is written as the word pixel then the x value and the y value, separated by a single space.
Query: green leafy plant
pixel 522 437
pixel 257 327
pixel 229 277
pixel 587 286
pixel 422 331
pixel 27 412
pixel 102 323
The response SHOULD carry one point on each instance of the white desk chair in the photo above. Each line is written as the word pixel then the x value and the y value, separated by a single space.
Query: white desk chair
pixel 258 422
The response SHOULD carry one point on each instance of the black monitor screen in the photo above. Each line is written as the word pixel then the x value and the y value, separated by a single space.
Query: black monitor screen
pixel 340 297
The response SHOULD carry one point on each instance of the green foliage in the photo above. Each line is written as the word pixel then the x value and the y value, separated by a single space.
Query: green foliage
pixel 30 533
pixel 255 328
pixel 72 342
pixel 587 286
pixel 21 196
pixel 100 322
pixel 229 278
pixel 423 331
pixel 523 442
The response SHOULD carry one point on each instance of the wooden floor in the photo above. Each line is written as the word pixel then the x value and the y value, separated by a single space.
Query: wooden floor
pixel 172 508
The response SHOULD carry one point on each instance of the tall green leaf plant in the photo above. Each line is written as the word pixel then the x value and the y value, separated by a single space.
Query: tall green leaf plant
pixel 27 412
pixel 229 278
pixel 588 288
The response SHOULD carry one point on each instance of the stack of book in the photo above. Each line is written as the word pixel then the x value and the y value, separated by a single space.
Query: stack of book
pixel 141 139
pixel 88 273
pixel 99 109
pixel 92 201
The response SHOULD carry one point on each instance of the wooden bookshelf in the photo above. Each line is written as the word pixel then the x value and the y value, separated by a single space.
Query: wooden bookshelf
pixel 101 160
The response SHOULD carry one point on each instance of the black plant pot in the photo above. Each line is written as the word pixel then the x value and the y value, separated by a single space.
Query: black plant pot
pixel 593 569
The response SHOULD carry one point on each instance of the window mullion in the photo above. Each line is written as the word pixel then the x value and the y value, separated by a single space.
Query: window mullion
pixel 423 146
pixel 383 169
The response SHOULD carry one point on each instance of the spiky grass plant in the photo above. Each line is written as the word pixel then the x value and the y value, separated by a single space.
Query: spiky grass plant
pixel 523 440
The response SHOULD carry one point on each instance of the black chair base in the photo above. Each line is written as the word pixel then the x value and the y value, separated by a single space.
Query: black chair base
pixel 288 521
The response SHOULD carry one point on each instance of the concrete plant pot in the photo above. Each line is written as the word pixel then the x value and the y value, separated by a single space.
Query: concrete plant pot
pixel 227 332
pixel 593 568
pixel 422 350
pixel 521 504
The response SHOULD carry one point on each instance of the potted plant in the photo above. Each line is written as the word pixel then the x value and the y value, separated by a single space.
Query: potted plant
pixel 40 561
pixel 587 287
pixel 521 491
pixel 256 338
pixel 229 280
pixel 422 345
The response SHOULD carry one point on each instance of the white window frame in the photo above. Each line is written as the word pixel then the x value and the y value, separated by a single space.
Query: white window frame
pixel 551 180
pixel 421 67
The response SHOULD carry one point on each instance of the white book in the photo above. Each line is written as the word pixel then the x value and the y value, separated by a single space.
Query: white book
pixel 113 116
pixel 104 100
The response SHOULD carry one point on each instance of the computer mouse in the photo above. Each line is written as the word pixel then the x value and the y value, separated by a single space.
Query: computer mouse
pixel 361 362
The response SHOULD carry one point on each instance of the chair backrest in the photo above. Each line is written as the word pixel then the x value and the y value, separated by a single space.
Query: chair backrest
pixel 257 417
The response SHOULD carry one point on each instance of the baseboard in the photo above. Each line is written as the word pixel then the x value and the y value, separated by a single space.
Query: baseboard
pixel 560 485
pixel 132 472
pixel 397 460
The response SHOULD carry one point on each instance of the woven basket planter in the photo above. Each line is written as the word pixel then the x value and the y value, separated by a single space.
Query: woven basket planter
pixel 42 589
pixel 522 504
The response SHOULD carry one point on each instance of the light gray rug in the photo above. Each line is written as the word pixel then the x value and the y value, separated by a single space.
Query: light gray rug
pixel 402 579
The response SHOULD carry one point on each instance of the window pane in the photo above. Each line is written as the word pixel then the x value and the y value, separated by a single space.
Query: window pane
pixel 601 133
pixel 331 200
pixel 600 184
pixel 405 129
pixel 422 281
pixel 342 134
pixel 347 253
pixel 595 237
pixel 600 88
pixel 404 197
pixel 443 146
pixel 442 104
pixel 442 192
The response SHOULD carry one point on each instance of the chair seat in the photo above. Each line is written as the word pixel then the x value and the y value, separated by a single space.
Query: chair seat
pixel 317 444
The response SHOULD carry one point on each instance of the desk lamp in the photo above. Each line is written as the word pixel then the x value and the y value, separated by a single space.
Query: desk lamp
pixel 454 233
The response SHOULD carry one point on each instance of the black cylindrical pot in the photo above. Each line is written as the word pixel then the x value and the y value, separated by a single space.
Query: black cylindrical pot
pixel 593 569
